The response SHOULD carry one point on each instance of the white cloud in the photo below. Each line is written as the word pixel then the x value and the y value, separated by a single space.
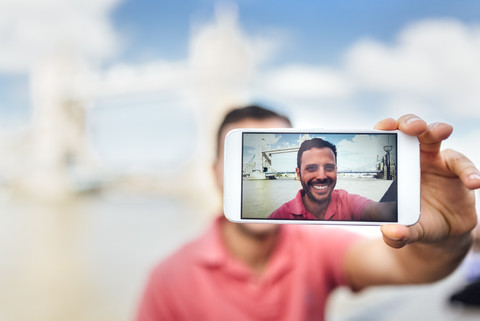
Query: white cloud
pixel 466 144
pixel 436 60
pixel 259 141
pixel 307 82
pixel 362 152
pixel 31 30
pixel 155 76
pixel 397 106
pixel 329 114
pixel 432 68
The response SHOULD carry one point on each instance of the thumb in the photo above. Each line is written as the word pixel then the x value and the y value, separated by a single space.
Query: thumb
pixel 396 236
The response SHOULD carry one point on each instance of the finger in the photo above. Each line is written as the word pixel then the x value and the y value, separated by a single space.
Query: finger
pixel 395 236
pixel 412 125
pixel 387 124
pixel 463 167
pixel 435 133
pixel 431 139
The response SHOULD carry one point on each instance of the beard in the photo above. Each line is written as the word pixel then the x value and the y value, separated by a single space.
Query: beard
pixel 308 187
pixel 258 234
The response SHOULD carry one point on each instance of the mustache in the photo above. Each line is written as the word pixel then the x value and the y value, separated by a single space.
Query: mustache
pixel 320 181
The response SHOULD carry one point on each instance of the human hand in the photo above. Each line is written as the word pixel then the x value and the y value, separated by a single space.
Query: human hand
pixel 448 179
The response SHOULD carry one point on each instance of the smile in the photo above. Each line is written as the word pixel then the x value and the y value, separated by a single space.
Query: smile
pixel 319 187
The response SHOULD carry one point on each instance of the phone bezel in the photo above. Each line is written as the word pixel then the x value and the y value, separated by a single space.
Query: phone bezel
pixel 408 180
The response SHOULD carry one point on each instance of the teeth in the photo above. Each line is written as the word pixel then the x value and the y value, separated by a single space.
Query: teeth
pixel 319 187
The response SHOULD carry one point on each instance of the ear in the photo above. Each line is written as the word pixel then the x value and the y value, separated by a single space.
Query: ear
pixel 218 174
pixel 297 171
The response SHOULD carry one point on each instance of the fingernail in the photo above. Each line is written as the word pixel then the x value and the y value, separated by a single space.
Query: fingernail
pixel 395 239
pixel 411 120
pixel 474 176
pixel 433 125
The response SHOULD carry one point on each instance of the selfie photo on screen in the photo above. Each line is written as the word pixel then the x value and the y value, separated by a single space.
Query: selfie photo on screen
pixel 319 176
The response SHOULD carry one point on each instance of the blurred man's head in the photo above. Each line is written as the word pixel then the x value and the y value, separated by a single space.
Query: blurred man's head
pixel 247 117
pixel 317 169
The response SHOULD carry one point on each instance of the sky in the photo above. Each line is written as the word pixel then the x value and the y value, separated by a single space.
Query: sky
pixel 153 66
pixel 355 152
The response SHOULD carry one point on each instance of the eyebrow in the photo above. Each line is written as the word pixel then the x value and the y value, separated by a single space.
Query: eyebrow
pixel 314 165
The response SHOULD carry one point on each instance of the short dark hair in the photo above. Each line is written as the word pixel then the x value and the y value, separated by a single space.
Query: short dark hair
pixel 314 143
pixel 251 111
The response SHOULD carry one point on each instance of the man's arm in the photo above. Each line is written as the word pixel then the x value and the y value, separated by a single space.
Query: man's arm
pixel 435 246
pixel 380 211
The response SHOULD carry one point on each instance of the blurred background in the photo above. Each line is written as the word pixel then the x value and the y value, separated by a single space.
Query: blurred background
pixel 108 113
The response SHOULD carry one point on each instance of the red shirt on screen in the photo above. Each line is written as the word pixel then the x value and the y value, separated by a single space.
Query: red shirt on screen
pixel 343 207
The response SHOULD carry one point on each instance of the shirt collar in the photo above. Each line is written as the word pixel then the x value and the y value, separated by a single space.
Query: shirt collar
pixel 298 208
pixel 211 252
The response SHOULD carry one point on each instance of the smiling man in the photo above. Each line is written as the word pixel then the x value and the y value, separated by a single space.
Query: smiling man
pixel 319 200
pixel 262 272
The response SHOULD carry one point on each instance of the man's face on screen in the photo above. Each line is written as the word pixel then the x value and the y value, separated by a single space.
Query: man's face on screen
pixel 318 173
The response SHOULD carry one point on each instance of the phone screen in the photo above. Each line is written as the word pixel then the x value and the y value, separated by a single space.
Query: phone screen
pixel 337 176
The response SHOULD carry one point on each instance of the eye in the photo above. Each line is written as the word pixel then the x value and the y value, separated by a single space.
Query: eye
pixel 311 168
pixel 329 167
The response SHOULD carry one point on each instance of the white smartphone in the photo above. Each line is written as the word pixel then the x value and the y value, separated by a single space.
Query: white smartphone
pixel 293 176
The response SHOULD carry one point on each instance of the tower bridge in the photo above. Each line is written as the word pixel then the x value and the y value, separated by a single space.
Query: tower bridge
pixel 380 168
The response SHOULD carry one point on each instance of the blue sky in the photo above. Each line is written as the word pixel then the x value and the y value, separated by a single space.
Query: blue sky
pixel 318 30
pixel 172 64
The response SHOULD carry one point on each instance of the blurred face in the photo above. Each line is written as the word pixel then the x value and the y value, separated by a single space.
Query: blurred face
pixel 318 174
pixel 246 123
pixel 248 228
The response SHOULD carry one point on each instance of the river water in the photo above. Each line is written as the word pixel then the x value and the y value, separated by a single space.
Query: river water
pixel 87 258
pixel 262 197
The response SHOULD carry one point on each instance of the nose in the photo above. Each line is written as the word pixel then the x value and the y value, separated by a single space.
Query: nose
pixel 320 174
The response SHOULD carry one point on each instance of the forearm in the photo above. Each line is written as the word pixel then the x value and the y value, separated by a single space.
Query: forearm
pixel 372 262
pixel 422 263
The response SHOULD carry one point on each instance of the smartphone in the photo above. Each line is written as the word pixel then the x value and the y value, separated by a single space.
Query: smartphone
pixel 293 176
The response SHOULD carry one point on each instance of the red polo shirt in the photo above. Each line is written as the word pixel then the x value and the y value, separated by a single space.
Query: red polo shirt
pixel 202 281
pixel 343 207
